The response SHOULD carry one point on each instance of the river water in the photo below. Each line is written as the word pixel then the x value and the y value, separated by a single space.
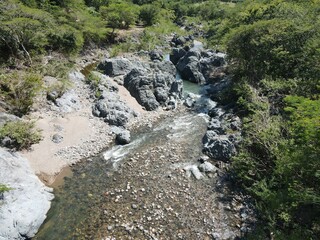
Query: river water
pixel 142 190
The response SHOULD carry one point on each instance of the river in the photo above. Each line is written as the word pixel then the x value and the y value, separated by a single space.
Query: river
pixel 144 190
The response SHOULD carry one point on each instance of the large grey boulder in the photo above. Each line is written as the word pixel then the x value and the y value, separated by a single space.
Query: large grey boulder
pixel 190 68
pixel 116 66
pixel 68 102
pixel 215 125
pixel 24 208
pixel 212 66
pixel 113 110
pixel 156 55
pixel 140 85
pixel 218 147
pixel 178 40
pixel 176 54
pixel 154 86
pixel 106 84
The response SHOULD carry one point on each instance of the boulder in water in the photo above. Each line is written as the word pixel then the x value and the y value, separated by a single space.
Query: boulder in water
pixel 123 137
pixel 153 87
pixel 190 68
pixel 177 54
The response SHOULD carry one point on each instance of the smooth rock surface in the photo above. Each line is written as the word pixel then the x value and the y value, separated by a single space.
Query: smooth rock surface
pixel 24 208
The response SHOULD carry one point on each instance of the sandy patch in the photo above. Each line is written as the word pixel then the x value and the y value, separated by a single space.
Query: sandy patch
pixel 43 157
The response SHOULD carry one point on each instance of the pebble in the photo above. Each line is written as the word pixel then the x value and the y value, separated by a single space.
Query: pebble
pixel 134 206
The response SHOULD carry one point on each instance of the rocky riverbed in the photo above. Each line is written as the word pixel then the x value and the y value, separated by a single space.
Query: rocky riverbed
pixel 169 180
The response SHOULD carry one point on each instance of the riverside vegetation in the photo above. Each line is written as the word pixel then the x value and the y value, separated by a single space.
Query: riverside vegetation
pixel 273 48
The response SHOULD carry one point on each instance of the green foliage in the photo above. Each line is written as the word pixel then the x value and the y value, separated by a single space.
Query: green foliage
pixel 96 3
pixel 67 39
pixel 19 89
pixel 280 45
pixel 149 14
pixel 274 50
pixel 119 15
pixel 36 27
pixel 22 134
pixel 94 80
pixel 4 188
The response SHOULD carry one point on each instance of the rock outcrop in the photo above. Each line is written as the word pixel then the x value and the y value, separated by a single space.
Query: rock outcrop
pixel 23 208
pixel 115 66
pixel 223 135
pixel 113 110
pixel 198 65
pixel 5 117
pixel 154 85
pixel 109 106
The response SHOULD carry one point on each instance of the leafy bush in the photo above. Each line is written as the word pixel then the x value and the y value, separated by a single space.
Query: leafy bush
pixel 20 134
pixel 19 90
pixel 4 188
pixel 149 14
pixel 119 15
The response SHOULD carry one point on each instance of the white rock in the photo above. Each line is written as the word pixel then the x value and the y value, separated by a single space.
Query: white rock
pixel 194 170
pixel 24 208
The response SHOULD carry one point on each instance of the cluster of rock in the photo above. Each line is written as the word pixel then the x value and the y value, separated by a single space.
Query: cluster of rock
pixel 109 106
pixel 152 84
pixel 222 136
pixel 24 207
pixel 202 168
pixel 198 65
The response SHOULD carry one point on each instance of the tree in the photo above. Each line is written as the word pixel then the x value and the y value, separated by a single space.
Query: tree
pixel 149 14
pixel 119 15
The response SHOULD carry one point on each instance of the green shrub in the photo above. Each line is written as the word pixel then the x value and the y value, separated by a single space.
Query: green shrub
pixel 66 39
pixel 119 15
pixel 19 90
pixel 149 14
pixel 21 134
pixel 3 189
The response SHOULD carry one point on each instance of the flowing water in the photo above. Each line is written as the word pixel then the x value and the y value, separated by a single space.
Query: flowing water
pixel 142 190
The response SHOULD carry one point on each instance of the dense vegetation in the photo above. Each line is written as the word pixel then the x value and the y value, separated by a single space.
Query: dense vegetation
pixel 274 54
pixel 274 51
